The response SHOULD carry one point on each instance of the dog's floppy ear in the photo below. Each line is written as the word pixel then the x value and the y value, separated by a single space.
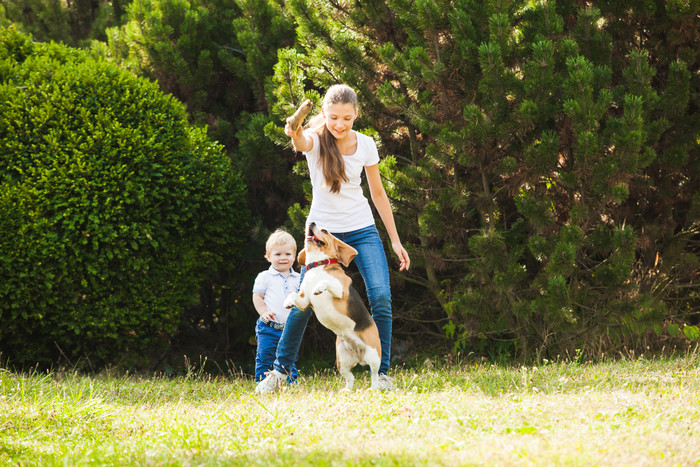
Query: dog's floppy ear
pixel 301 257
pixel 346 253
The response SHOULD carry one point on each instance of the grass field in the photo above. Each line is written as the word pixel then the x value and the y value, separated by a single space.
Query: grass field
pixel 634 411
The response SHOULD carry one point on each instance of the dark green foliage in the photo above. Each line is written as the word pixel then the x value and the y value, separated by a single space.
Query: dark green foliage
pixel 74 22
pixel 114 209
pixel 544 156
pixel 267 175
pixel 216 58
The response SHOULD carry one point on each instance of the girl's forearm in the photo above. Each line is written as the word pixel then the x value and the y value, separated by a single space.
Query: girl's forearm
pixel 387 216
pixel 301 143
pixel 381 202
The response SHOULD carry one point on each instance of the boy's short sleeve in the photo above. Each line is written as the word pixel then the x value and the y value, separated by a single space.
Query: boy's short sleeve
pixel 261 283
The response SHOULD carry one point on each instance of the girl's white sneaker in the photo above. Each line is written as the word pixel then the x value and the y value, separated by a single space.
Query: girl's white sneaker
pixel 386 383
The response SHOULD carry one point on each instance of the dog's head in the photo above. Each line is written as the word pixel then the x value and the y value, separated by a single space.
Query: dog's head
pixel 320 242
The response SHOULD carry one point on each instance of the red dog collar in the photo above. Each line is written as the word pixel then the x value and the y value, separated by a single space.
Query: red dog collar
pixel 321 263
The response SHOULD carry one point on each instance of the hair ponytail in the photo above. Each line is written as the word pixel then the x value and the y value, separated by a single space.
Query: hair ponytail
pixel 331 161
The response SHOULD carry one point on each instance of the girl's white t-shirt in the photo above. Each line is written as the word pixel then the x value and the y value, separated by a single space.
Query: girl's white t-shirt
pixel 348 209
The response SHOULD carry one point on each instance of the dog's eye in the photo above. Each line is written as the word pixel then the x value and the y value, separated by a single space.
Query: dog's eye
pixel 324 231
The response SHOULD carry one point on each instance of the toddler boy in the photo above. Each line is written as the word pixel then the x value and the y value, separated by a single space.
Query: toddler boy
pixel 269 291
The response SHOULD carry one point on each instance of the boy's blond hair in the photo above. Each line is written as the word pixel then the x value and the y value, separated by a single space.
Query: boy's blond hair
pixel 280 237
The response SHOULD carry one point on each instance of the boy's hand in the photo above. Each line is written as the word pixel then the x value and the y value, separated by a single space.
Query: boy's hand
pixel 268 316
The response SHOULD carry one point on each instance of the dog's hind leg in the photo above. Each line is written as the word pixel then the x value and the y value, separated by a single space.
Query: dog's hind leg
pixel 346 360
pixel 373 359
pixel 371 353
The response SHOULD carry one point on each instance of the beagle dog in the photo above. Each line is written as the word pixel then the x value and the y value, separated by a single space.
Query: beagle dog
pixel 337 305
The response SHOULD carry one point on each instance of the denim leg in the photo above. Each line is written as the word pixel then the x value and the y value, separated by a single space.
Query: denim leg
pixel 372 263
pixel 288 347
pixel 267 339
pixel 292 376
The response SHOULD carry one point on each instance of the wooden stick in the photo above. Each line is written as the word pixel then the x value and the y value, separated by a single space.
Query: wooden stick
pixel 301 113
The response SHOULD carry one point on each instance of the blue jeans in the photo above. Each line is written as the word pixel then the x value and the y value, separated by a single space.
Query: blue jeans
pixel 268 339
pixel 373 266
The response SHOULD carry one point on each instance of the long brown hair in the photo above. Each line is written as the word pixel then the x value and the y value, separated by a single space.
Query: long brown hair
pixel 330 160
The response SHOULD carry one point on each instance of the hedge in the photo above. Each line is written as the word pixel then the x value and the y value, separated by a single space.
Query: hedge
pixel 113 209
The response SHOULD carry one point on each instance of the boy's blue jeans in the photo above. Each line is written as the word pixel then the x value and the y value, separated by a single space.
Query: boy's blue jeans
pixel 267 339
pixel 374 269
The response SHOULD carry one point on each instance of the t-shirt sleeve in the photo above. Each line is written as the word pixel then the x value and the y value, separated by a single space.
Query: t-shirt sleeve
pixel 260 285
pixel 372 153
pixel 315 151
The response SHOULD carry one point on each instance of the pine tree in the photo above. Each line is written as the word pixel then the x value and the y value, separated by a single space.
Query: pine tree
pixel 527 147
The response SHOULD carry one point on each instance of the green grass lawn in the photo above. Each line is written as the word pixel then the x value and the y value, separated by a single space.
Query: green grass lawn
pixel 642 411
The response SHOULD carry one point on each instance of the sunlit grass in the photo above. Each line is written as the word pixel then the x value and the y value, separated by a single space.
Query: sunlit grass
pixel 641 411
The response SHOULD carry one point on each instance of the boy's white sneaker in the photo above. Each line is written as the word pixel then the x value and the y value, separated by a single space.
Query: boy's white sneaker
pixel 272 382
pixel 386 383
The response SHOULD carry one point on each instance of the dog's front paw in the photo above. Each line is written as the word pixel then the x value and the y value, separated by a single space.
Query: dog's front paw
pixel 290 301
pixel 320 288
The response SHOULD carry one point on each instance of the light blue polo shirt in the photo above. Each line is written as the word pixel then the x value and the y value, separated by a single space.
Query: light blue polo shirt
pixel 275 287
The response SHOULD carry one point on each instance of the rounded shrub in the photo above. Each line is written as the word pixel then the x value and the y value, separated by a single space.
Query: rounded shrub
pixel 113 209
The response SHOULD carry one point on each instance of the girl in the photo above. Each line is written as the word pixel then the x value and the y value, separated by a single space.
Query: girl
pixel 336 156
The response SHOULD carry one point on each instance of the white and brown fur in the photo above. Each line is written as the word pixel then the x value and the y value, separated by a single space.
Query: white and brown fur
pixel 337 305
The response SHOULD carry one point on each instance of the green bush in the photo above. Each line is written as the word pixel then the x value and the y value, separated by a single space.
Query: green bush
pixel 113 210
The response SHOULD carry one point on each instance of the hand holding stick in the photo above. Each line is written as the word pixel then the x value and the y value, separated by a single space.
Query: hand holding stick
pixel 298 118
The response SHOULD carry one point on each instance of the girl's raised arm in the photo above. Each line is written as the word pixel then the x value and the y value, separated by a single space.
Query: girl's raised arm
pixel 300 141
pixel 294 130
